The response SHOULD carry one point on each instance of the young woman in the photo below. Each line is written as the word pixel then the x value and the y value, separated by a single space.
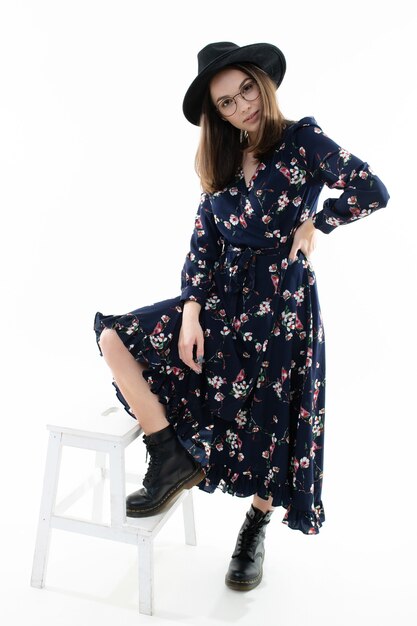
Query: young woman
pixel 227 379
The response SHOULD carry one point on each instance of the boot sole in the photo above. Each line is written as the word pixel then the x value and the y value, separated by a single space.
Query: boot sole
pixel 189 482
pixel 244 585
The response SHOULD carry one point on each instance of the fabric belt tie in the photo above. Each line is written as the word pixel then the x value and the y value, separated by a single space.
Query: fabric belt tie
pixel 240 263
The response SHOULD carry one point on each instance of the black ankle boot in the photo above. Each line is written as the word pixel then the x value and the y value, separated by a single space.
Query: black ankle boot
pixel 245 569
pixel 171 470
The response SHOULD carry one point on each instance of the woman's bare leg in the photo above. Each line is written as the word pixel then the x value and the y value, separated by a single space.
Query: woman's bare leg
pixel 127 373
pixel 264 505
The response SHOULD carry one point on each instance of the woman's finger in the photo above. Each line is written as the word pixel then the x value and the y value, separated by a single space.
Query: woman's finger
pixel 200 347
pixel 188 338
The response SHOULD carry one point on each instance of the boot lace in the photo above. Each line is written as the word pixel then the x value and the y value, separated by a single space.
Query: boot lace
pixel 247 539
pixel 154 464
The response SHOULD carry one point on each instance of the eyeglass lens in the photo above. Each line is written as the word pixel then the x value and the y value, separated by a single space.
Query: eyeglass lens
pixel 249 91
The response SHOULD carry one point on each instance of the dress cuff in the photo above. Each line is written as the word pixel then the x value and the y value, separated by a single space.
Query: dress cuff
pixel 193 293
pixel 322 221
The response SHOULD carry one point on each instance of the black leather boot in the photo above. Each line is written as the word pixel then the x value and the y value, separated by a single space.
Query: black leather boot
pixel 245 569
pixel 171 469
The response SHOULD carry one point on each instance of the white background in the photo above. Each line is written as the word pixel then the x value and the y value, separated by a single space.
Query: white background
pixel 98 196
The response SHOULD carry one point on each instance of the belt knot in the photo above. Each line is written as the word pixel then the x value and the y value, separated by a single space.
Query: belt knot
pixel 240 263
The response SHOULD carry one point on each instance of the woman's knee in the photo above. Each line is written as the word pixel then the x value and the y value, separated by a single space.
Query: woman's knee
pixel 109 340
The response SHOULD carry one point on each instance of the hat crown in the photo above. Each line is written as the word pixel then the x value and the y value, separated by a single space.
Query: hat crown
pixel 214 51
pixel 216 56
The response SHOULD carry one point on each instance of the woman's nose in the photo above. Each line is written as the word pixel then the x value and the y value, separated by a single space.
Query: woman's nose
pixel 242 104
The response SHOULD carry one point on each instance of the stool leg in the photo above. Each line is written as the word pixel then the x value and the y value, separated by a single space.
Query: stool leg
pixel 101 462
pixel 98 492
pixel 189 521
pixel 145 566
pixel 117 486
pixel 50 486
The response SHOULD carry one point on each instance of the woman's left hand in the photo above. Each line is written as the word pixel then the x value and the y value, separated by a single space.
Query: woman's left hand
pixel 304 240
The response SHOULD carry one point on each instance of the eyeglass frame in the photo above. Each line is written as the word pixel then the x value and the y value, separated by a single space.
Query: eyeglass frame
pixel 238 94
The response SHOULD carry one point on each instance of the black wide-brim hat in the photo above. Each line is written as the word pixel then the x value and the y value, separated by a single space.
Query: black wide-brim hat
pixel 216 56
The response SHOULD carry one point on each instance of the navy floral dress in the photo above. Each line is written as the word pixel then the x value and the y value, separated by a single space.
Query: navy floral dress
pixel 254 418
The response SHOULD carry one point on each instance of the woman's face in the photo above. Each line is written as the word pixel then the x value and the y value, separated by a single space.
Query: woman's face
pixel 228 83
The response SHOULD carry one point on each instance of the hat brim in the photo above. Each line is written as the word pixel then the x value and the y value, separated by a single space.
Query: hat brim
pixel 266 56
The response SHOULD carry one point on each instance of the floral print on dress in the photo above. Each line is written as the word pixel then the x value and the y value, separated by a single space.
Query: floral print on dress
pixel 254 418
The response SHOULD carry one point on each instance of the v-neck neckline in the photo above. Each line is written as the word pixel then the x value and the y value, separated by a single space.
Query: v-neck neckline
pixel 265 163
pixel 241 175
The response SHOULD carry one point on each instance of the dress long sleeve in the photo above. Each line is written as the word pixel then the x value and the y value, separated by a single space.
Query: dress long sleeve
pixel 329 163
pixel 205 248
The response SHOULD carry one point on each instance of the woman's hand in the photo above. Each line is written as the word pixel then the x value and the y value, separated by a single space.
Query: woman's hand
pixel 191 334
pixel 304 240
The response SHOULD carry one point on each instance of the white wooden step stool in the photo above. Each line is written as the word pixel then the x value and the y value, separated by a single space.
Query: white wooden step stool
pixel 107 433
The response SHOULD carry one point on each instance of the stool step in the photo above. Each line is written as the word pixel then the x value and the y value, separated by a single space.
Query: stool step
pixel 113 424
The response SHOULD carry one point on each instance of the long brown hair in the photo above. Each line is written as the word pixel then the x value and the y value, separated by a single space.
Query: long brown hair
pixel 220 150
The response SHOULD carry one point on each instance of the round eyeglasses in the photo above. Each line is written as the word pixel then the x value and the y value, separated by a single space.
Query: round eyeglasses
pixel 249 91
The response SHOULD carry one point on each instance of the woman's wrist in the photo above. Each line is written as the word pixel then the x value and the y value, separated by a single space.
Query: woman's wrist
pixel 192 307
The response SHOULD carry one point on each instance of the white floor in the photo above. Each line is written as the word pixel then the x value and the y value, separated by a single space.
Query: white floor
pixel 351 573
pixel 359 570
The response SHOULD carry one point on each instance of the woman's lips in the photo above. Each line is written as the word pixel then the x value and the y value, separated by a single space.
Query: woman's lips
pixel 251 117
